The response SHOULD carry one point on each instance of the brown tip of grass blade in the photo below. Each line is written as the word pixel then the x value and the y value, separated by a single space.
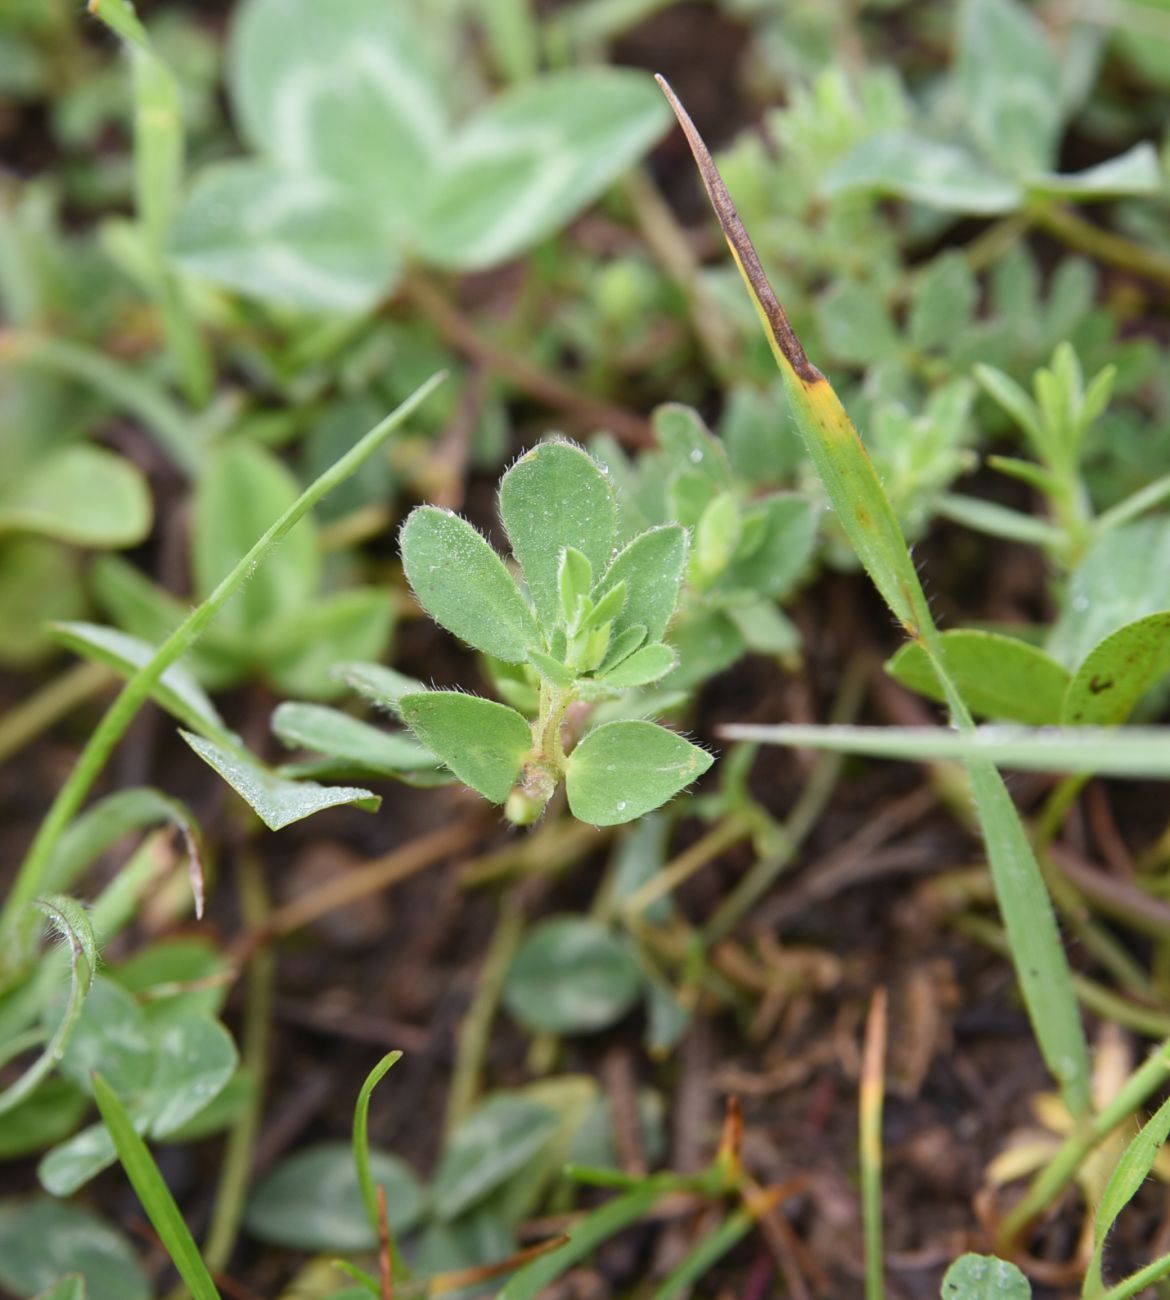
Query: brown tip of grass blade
pixel 741 245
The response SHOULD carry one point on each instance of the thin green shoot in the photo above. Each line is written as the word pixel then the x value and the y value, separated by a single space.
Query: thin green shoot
pixel 154 1194
pixel 866 516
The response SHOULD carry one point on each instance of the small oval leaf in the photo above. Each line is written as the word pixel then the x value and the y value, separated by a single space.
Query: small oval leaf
pixel 463 584
pixel 482 742
pixel 621 770
pixel 571 975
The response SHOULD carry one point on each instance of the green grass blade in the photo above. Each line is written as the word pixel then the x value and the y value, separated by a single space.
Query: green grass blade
pixel 868 520
pixel 154 1194
pixel 709 1250
pixel 1103 751
pixel 1131 1172
pixel 158 177
pixel 585 1237
pixel 139 688
pixel 361 1136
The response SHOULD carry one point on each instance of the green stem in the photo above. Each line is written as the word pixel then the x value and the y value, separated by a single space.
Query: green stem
pixel 1062 1168
pixel 475 1032
pixel 872 1101
pixel 1138 1281
pixel 1106 246
pixel 236 1170
pixel 139 687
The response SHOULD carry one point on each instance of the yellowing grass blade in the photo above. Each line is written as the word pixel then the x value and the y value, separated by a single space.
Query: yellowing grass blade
pixel 865 513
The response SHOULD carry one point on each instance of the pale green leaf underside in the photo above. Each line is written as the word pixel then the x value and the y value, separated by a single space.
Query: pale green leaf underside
pixel 913 167
pixel 297 240
pixel 533 158
pixel 345 91
pixel 276 800
pixel 482 742
pixel 463 584
pixel 335 734
pixel 621 770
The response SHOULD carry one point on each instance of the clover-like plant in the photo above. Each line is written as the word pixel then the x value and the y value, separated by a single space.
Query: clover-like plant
pixel 587 627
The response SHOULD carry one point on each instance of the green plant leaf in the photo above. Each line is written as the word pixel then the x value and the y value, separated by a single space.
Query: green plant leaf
pixel 186 974
pixel 152 1191
pixel 588 1234
pixel 300 649
pixel 70 922
pixel 194 1059
pixel 556 496
pixel 651 566
pixel 912 167
pixel 242 489
pixel 482 742
pixel 69 1288
pixel 642 667
pixel 787 525
pixel 382 686
pixel 47 1115
pixel 534 158
pixel 1134 172
pixel 106 821
pixel 621 770
pixel 706 642
pixel 143 609
pixel 42 1240
pixel 360 1145
pixel 463 584
pixel 177 691
pixel 1000 677
pixel 349 92
pixel 943 299
pixel 1104 751
pixel 337 735
pixel 1126 1180
pixel 1117 672
pixel 856 324
pixel 983 1277
pixel 571 975
pixel 574 582
pixel 686 440
pixel 998 521
pixel 39 583
pixel 290 239
pixel 867 518
pixel 1124 575
pixel 276 800
pixel 1009 78
pixel 312 1200
pixel 501 1138
pixel 80 494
